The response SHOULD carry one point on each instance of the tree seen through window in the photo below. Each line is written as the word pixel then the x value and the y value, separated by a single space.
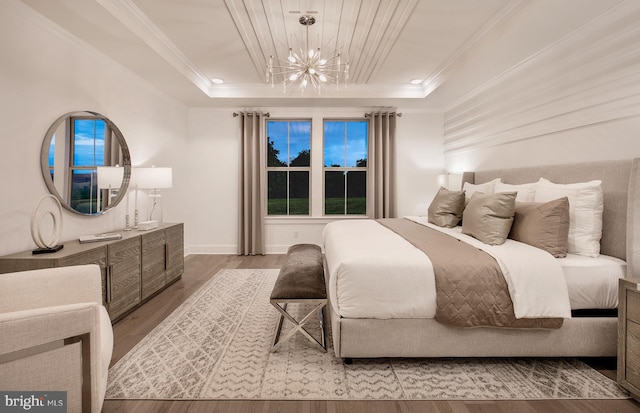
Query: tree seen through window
pixel 345 167
pixel 288 167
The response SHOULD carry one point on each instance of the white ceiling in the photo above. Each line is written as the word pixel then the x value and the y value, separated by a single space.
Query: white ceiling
pixel 180 45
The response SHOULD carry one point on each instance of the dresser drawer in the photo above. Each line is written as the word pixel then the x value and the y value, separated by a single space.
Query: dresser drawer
pixel 633 306
pixel 632 368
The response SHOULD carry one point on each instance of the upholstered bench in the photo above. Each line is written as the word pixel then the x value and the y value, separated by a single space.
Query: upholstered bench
pixel 301 280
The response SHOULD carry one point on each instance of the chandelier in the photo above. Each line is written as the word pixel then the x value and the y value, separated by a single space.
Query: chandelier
pixel 307 66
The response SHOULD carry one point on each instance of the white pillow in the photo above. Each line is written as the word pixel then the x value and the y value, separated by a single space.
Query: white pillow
pixel 525 191
pixel 486 188
pixel 585 212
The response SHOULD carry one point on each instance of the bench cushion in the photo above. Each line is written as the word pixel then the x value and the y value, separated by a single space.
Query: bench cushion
pixel 301 275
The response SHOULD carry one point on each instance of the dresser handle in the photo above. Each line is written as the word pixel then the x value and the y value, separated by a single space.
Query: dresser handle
pixel 166 256
pixel 109 285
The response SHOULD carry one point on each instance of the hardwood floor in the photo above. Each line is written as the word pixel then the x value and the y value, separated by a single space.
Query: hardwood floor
pixel 200 268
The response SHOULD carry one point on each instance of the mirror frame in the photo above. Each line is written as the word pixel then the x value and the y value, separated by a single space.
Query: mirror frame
pixel 126 161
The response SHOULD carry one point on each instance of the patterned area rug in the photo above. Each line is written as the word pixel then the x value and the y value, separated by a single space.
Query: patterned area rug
pixel 216 346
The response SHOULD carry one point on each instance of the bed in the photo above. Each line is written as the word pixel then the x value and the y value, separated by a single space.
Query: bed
pixel 395 325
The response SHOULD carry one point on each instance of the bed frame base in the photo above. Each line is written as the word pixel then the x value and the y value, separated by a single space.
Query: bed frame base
pixel 373 338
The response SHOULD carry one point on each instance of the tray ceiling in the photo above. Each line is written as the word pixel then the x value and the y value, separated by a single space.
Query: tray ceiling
pixel 180 46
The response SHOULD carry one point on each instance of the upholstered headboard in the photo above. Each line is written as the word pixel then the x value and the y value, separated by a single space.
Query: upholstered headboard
pixel 621 190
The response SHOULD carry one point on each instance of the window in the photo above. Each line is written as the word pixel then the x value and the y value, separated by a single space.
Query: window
pixel 345 167
pixel 89 146
pixel 288 167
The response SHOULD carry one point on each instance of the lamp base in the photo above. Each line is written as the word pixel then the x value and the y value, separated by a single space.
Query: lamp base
pixel 47 250
pixel 147 225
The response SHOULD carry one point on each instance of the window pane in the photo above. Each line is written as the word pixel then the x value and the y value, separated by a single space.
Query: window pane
pixel 334 144
pixel 357 192
pixel 277 193
pixel 288 143
pixel 277 143
pixel 300 143
pixel 52 150
pixel 84 191
pixel 334 199
pixel 299 193
pixel 88 142
pixel 357 138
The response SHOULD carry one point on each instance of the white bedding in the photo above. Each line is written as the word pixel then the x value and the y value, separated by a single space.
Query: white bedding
pixel 360 254
pixel 593 282
pixel 375 273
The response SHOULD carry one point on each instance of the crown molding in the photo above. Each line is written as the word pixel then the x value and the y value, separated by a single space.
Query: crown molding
pixel 33 16
pixel 613 13
pixel 504 14
pixel 135 20
pixel 39 20
pixel 329 92
pixel 589 77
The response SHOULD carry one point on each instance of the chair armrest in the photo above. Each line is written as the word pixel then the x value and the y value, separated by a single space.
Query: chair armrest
pixel 50 287
pixel 30 335
pixel 28 328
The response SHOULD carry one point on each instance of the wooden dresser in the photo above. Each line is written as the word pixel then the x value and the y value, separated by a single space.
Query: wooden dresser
pixel 134 268
pixel 629 335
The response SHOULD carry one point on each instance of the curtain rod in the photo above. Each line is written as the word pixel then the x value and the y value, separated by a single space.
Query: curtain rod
pixel 368 115
pixel 236 114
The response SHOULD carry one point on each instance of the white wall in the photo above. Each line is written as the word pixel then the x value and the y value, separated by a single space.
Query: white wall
pixel 577 99
pixel 211 204
pixel 213 153
pixel 46 72
pixel 49 72
pixel 420 160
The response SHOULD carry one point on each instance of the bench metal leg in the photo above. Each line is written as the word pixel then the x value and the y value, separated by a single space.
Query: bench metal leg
pixel 322 337
pixel 298 326
pixel 279 325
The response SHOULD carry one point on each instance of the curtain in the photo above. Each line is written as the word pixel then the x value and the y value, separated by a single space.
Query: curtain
pixel 382 133
pixel 252 182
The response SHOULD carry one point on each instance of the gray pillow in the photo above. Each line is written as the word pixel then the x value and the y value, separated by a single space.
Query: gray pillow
pixel 446 208
pixel 543 225
pixel 488 217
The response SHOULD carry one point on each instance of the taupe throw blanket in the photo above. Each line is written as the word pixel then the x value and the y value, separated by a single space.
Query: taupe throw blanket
pixel 470 288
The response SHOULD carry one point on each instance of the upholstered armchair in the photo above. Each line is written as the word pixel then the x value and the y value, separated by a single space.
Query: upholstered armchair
pixel 55 334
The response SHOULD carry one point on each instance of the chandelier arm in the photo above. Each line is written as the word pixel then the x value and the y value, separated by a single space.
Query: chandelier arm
pixel 307 67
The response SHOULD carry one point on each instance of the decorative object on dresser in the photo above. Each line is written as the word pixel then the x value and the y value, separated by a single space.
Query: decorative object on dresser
pixel 154 178
pixel 109 179
pixel 629 336
pixel 107 236
pixel 147 225
pixel 133 268
pixel 51 245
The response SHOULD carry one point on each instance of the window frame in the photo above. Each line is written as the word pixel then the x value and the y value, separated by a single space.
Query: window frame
pixel 346 170
pixel 93 168
pixel 288 168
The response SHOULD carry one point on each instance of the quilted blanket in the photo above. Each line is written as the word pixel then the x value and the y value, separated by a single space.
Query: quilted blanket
pixel 471 290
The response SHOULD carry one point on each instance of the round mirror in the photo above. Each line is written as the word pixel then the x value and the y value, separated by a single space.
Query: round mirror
pixel 86 163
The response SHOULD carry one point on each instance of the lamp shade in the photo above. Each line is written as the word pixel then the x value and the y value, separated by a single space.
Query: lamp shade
pixel 110 177
pixel 452 182
pixel 153 178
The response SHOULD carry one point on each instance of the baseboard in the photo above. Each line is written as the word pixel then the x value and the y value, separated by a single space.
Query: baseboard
pixel 230 249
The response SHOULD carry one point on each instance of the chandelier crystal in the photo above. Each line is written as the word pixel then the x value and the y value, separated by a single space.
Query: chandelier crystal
pixel 307 66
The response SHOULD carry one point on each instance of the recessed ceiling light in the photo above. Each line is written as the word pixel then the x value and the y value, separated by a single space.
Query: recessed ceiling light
pixel 217 80
pixel 416 81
